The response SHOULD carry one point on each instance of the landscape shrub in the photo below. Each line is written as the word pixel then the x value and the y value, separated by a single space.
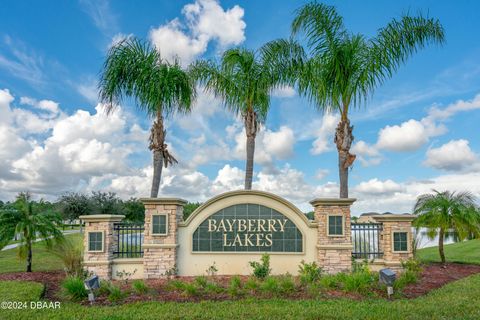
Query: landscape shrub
pixel 116 294
pixel 261 270
pixel 70 252
pixel 74 289
pixel 270 285
pixel 212 287
pixel 176 285
pixel 251 284
pixel 104 289
pixel 139 287
pixel 235 288
pixel 201 281
pixel 286 284
pixel 412 265
pixel 309 272
pixel 330 281
pixel 190 290
pixel 359 282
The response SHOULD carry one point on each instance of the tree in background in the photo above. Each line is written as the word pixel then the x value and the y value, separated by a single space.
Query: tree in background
pixel 342 69
pixel 73 205
pixel 244 81
pixel 134 210
pixel 30 220
pixel 106 203
pixel 135 69
pixel 189 208
pixel 443 211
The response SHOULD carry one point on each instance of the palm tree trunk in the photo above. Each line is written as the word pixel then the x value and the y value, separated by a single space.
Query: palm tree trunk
pixel 157 173
pixel 343 140
pixel 29 255
pixel 440 245
pixel 251 132
pixel 157 145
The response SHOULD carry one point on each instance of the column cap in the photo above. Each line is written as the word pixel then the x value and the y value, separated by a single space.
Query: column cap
pixel 174 201
pixel 332 202
pixel 394 217
pixel 102 218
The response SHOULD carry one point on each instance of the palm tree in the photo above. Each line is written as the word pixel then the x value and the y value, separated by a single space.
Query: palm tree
pixel 244 81
pixel 32 222
pixel 134 68
pixel 340 69
pixel 442 211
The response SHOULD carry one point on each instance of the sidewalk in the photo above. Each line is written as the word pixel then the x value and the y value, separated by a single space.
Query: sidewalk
pixel 14 245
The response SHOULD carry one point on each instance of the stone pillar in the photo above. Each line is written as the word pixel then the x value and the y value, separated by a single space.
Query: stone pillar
pixel 334 251
pixel 395 223
pixel 99 261
pixel 160 251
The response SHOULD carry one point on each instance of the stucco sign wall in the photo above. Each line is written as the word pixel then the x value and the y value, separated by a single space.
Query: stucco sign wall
pixel 247 227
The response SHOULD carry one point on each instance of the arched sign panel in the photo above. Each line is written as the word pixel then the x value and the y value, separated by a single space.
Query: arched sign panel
pixel 247 227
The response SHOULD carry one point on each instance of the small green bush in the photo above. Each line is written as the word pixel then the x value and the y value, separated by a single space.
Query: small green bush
pixel 235 288
pixel 176 285
pixel 330 281
pixel 286 284
pixel 261 270
pixel 412 265
pixel 104 289
pixel 116 294
pixel 360 282
pixel 212 287
pixel 252 284
pixel 406 278
pixel 189 289
pixel 201 281
pixel 270 285
pixel 309 272
pixel 74 289
pixel 139 286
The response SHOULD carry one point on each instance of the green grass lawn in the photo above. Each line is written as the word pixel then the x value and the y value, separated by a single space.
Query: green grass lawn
pixel 462 252
pixel 20 291
pixel 456 300
pixel 42 259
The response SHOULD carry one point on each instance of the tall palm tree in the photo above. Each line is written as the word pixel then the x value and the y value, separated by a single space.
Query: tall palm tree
pixel 446 210
pixel 32 222
pixel 340 69
pixel 244 80
pixel 134 68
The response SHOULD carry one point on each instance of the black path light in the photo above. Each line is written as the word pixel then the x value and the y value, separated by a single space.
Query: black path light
pixel 387 277
pixel 91 284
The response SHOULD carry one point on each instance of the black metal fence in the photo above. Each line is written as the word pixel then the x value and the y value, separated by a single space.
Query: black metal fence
pixel 130 240
pixel 366 240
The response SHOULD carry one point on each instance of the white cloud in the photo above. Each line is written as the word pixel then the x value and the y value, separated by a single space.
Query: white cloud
pixel 101 14
pixel 323 133
pixel 408 136
pixel 374 187
pixel 228 178
pixel 206 21
pixel 368 155
pixel 321 174
pixel 455 155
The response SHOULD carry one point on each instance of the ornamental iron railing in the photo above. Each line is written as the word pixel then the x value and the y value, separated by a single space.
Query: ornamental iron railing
pixel 130 240
pixel 366 240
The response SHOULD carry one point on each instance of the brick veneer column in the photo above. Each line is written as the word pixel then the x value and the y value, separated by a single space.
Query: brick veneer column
pixel 99 263
pixel 160 251
pixel 334 252
pixel 393 223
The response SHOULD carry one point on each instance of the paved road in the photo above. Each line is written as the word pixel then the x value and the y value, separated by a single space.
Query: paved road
pixel 14 245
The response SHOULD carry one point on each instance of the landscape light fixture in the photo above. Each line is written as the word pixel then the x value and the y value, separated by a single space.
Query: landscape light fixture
pixel 91 284
pixel 387 277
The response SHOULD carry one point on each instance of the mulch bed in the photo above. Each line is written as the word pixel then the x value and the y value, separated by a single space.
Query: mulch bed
pixel 436 275
pixel 433 276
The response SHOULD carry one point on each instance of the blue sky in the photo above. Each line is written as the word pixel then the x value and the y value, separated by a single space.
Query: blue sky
pixel 419 131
